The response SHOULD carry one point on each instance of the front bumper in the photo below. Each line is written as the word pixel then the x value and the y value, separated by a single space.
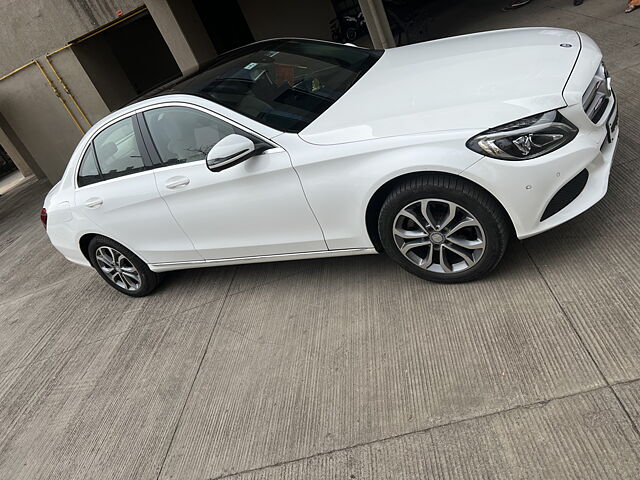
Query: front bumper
pixel 526 188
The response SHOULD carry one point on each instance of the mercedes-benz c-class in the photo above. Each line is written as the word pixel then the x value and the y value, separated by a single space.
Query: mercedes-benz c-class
pixel 434 153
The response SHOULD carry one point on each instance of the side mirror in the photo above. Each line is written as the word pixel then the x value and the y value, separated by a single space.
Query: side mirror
pixel 230 150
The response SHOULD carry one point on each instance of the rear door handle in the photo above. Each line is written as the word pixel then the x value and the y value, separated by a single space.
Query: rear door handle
pixel 177 182
pixel 93 202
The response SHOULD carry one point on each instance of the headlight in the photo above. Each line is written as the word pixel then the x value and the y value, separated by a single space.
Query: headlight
pixel 525 139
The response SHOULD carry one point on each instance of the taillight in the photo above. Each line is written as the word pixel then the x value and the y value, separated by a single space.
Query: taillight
pixel 43 217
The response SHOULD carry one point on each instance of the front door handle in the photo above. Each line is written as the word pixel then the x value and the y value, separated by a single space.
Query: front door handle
pixel 177 182
pixel 93 202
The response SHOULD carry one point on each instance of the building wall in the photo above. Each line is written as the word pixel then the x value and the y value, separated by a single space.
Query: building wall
pixel 38 118
pixel 30 28
pixel 37 129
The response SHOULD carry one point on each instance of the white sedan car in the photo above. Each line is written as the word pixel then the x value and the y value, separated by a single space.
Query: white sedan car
pixel 286 149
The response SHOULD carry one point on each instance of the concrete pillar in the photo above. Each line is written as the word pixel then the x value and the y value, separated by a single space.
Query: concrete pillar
pixel 183 31
pixel 377 23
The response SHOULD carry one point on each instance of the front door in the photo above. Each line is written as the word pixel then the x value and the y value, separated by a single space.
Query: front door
pixel 254 208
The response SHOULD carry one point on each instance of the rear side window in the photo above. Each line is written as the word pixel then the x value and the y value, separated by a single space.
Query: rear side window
pixel 117 152
pixel 183 134
pixel 88 172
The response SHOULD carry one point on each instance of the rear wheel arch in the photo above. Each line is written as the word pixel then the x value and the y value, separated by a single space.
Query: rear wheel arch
pixel 85 240
pixel 84 244
pixel 120 267
pixel 377 199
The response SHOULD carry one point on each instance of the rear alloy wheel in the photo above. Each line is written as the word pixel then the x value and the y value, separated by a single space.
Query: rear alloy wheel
pixel 118 268
pixel 443 229
pixel 121 268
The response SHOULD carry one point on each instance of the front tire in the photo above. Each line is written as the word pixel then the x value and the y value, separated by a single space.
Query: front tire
pixel 121 268
pixel 443 229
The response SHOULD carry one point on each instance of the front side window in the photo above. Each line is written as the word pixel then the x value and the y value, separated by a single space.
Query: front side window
pixel 183 134
pixel 117 152
pixel 285 84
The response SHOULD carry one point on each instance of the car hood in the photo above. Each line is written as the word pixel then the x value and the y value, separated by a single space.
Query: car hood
pixel 471 82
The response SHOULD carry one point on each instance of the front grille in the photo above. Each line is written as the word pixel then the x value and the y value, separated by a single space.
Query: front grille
pixel 596 98
pixel 566 194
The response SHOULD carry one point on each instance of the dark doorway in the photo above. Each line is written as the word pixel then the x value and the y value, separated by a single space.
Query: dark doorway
pixel 126 60
pixel 143 53
pixel 224 22
pixel 6 165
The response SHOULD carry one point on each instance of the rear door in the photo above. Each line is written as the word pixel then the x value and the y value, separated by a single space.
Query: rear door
pixel 116 189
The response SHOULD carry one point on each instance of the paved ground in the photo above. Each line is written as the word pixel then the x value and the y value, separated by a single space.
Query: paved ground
pixel 9 181
pixel 342 368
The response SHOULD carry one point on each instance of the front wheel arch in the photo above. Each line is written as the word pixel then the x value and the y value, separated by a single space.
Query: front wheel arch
pixel 377 199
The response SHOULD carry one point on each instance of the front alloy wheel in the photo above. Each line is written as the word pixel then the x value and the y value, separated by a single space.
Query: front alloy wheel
pixel 443 228
pixel 439 236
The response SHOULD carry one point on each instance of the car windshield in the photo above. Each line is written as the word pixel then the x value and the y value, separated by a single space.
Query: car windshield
pixel 285 84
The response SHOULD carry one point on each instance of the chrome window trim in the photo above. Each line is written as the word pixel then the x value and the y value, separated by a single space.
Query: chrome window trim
pixel 111 180
pixel 170 103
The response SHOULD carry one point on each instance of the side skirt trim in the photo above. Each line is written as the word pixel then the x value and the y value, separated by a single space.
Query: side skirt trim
pixel 280 257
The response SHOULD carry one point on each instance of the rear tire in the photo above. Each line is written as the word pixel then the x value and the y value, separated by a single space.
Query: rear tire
pixel 443 229
pixel 121 268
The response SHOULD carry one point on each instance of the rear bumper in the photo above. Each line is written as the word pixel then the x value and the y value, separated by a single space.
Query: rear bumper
pixel 70 251
pixel 525 189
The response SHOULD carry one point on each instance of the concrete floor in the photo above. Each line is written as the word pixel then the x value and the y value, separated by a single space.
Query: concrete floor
pixel 343 368
pixel 10 181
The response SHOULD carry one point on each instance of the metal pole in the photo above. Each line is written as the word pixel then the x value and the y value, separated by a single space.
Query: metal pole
pixel 68 91
pixel 57 94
